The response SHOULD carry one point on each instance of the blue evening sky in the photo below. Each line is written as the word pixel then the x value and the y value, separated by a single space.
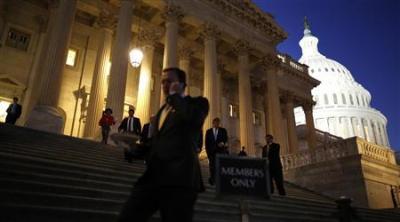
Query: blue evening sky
pixel 363 35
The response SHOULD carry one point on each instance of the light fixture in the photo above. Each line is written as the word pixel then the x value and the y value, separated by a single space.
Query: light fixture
pixel 136 56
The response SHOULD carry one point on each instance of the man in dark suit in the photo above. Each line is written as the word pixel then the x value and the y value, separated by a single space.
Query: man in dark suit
pixel 130 124
pixel 272 152
pixel 172 178
pixel 13 111
pixel 216 143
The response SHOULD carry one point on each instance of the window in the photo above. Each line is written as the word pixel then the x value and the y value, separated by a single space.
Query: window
pixel 335 99
pixel 18 39
pixel 326 69
pixel 326 99
pixel 358 100
pixel 316 99
pixel 351 100
pixel 256 118
pixel 343 99
pixel 312 70
pixel 4 103
pixel 71 57
pixel 232 111
pixel 332 69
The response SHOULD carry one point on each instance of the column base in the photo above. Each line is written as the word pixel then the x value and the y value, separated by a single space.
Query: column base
pixel 46 118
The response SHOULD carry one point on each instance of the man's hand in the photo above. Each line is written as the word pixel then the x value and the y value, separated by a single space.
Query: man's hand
pixel 176 87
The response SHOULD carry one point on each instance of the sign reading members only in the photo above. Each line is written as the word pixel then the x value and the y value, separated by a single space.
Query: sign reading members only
pixel 242 175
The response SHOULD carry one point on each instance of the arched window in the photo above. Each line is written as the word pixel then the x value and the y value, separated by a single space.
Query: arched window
pixel 343 99
pixel 358 100
pixel 335 98
pixel 351 100
pixel 326 99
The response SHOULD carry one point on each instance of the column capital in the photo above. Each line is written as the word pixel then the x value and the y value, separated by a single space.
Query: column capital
pixel 209 31
pixel 242 47
pixel 270 61
pixel 42 21
pixel 288 97
pixel 106 20
pixel 308 105
pixel 53 4
pixel 149 36
pixel 173 13
pixel 185 52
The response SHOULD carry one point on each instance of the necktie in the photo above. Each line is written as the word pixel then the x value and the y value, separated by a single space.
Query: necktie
pixel 163 115
pixel 215 133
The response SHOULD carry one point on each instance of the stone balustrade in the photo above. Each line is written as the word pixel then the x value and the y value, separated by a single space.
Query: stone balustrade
pixel 339 149
pixel 288 60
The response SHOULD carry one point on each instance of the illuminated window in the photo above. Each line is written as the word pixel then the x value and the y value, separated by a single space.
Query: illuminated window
pixel 232 111
pixel 256 118
pixel 343 99
pixel 4 104
pixel 326 99
pixel 351 100
pixel 18 39
pixel 71 57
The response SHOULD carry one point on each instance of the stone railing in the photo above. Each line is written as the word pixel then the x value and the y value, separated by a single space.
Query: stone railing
pixel 336 150
pixel 287 60
pixel 375 151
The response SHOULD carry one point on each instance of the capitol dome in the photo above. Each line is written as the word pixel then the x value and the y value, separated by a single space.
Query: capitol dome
pixel 342 105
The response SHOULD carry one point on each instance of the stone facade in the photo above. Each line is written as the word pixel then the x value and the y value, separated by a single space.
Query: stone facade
pixel 233 51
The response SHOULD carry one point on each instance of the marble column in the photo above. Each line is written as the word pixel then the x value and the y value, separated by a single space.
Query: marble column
pixel 119 61
pixel 2 17
pixel 148 38
pixel 185 54
pixel 370 132
pixel 291 123
pixel 311 136
pixel 361 129
pixel 173 14
pixel 47 115
pixel 98 87
pixel 31 94
pixel 272 105
pixel 210 72
pixel 245 98
pixel 350 128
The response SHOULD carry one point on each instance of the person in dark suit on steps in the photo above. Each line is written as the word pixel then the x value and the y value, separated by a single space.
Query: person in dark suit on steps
pixel 216 143
pixel 172 178
pixel 272 151
pixel 13 111
pixel 130 124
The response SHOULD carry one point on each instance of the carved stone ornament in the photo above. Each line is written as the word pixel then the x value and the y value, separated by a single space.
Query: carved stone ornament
pixel 173 13
pixel 242 47
pixel 185 52
pixel 53 4
pixel 106 19
pixel 209 31
pixel 269 61
pixel 149 36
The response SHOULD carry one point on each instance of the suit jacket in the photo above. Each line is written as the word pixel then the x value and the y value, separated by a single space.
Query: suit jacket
pixel 212 143
pixel 136 125
pixel 273 155
pixel 17 113
pixel 144 136
pixel 172 160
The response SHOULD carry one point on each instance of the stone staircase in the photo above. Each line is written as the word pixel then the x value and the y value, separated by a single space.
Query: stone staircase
pixel 48 177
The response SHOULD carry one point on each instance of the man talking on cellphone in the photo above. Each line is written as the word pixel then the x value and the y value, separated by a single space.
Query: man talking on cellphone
pixel 172 178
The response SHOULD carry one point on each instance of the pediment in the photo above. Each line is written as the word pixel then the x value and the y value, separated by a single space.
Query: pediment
pixel 10 81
